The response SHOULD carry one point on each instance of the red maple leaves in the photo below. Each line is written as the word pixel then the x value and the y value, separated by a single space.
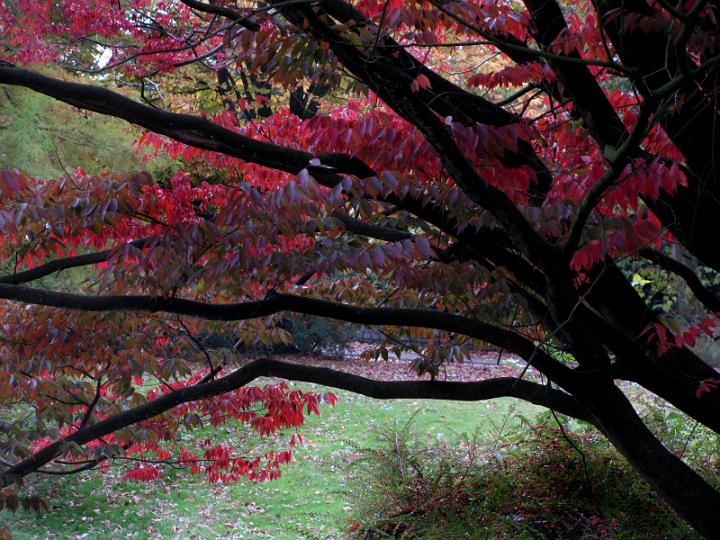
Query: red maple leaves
pixel 226 230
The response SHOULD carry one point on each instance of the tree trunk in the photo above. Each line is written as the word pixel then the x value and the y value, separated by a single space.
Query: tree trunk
pixel 676 483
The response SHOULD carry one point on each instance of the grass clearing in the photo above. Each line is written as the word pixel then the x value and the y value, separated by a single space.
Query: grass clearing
pixel 308 501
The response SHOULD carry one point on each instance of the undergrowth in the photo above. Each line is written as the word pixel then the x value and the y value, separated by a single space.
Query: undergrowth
pixel 546 481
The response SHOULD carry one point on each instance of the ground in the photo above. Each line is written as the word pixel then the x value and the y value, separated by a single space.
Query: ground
pixel 309 501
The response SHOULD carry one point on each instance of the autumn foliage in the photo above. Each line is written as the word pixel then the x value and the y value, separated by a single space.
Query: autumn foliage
pixel 461 173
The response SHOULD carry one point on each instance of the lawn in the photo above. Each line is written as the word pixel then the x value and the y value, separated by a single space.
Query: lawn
pixel 309 501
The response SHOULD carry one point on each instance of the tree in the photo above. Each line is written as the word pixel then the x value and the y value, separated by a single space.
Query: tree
pixel 360 165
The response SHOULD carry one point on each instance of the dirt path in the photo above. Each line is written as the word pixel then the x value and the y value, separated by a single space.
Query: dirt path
pixel 482 366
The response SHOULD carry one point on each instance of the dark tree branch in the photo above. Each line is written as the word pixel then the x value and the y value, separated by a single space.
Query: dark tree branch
pixel 192 130
pixel 474 391
pixel 688 493
pixel 200 133
pixel 65 264
pixel 444 97
pixel 393 85
pixel 618 158
pixel 600 117
pixel 675 375
pixel 702 293
pixel 692 212
pixel 371 230
pixel 91 406
pixel 228 13
pixel 274 303
pixel 82 468
pixel 519 51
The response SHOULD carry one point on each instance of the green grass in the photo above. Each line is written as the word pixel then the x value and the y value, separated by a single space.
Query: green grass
pixel 309 501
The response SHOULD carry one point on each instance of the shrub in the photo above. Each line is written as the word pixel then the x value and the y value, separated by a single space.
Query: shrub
pixel 315 334
pixel 543 482
pixel 307 335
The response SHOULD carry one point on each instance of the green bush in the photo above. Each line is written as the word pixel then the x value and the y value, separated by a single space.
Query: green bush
pixel 544 482
pixel 316 334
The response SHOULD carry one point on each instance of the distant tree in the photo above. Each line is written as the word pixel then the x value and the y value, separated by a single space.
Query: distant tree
pixel 74 139
pixel 422 184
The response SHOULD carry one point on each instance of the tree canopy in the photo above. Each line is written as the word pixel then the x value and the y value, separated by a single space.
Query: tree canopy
pixel 488 171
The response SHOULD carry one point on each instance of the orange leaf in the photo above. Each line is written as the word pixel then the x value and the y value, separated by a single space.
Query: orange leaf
pixel 421 81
